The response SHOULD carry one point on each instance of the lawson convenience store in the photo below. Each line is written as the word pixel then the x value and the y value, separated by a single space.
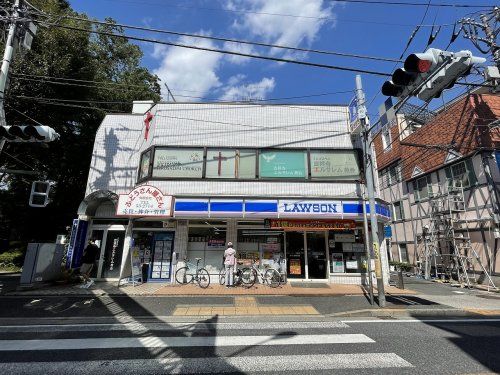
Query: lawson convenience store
pixel 307 239
pixel 282 183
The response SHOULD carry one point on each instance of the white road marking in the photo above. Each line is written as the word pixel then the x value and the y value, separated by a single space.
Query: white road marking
pixel 172 342
pixel 214 365
pixel 169 326
pixel 477 320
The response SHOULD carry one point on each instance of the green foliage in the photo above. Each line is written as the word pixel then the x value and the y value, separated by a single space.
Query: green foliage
pixel 59 52
pixel 14 257
pixel 404 266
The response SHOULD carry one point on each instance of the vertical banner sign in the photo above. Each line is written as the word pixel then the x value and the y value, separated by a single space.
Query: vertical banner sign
pixel 135 264
pixel 76 243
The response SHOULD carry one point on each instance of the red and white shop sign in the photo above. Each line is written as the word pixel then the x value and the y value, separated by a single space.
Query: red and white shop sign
pixel 144 200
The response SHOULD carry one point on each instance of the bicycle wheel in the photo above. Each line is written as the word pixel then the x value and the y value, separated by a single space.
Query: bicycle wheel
pixel 184 276
pixel 248 277
pixel 222 276
pixel 273 278
pixel 203 278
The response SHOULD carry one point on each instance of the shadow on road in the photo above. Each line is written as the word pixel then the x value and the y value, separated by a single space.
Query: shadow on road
pixel 481 342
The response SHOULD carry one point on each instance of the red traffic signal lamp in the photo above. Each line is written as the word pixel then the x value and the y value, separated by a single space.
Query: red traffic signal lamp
pixel 426 75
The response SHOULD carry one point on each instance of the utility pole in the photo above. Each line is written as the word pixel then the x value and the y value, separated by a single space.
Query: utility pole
pixel 7 58
pixel 471 26
pixel 370 186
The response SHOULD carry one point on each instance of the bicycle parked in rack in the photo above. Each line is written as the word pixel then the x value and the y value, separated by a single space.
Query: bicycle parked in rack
pixel 269 276
pixel 242 276
pixel 187 274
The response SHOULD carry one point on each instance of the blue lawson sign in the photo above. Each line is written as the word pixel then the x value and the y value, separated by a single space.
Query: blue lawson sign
pixel 387 231
pixel 76 243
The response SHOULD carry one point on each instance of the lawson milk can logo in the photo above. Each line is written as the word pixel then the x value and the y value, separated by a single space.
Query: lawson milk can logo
pixel 320 208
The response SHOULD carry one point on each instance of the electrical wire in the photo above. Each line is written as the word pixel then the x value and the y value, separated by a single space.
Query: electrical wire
pixel 24 114
pixel 404 3
pixel 242 11
pixel 245 42
pixel 216 50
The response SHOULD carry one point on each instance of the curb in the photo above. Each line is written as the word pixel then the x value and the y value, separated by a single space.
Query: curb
pixel 394 313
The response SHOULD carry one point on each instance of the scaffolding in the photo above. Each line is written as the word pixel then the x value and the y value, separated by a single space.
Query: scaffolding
pixel 448 252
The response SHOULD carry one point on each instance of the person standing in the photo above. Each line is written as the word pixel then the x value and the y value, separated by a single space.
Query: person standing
pixel 229 264
pixel 88 260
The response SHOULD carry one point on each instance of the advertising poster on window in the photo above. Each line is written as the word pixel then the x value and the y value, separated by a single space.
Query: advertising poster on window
pixel 335 165
pixel 337 263
pixel 295 267
pixel 283 164
pixel 178 163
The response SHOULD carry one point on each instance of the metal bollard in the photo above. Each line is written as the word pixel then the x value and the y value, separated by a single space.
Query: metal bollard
pixel 400 283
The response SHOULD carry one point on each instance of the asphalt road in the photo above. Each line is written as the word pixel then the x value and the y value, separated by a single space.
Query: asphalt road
pixel 240 346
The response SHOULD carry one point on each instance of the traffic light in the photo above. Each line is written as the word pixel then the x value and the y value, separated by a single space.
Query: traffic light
pixel 28 133
pixel 426 75
pixel 39 196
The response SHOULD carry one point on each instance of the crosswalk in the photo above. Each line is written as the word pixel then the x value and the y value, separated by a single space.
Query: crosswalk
pixel 191 348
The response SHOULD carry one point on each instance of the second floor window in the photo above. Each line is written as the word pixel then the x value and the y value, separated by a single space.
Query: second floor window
pixel 230 164
pixel 461 174
pixel 386 138
pixel 422 188
pixel 398 211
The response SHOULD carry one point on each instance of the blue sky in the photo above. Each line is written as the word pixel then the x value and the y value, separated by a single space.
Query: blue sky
pixel 366 29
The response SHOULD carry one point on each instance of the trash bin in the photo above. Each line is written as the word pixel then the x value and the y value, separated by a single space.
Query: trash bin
pixel 399 280
pixel 145 272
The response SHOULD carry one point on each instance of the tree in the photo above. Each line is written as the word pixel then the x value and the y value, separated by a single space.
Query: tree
pixel 84 56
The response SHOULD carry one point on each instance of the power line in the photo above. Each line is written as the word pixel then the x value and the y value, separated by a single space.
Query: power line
pixel 193 97
pixel 216 50
pixel 404 3
pixel 220 39
pixel 245 11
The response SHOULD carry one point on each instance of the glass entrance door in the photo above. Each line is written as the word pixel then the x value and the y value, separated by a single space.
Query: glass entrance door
pixel 97 235
pixel 113 251
pixel 295 255
pixel 316 255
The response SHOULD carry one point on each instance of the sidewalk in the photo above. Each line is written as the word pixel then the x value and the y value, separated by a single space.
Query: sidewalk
pixel 167 289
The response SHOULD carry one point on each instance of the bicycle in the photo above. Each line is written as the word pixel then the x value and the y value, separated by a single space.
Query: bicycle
pixel 242 277
pixel 185 275
pixel 268 276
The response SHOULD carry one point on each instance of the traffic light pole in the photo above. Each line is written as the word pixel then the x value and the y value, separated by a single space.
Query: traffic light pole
pixel 370 186
pixel 7 58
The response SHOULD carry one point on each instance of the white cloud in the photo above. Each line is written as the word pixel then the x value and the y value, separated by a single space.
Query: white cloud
pixel 186 69
pixel 283 30
pixel 240 48
pixel 236 91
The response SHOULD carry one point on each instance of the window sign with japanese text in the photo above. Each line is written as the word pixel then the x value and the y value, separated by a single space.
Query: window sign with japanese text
pixel 283 164
pixel 341 165
pixel 178 163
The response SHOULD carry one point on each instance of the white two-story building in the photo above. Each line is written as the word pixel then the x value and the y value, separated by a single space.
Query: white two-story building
pixel 282 182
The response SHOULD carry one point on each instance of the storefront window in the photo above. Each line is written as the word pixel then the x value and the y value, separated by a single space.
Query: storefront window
pixel 283 164
pixel 208 243
pixel 178 163
pixel 260 244
pixel 339 165
pixel 347 251
pixel 143 241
